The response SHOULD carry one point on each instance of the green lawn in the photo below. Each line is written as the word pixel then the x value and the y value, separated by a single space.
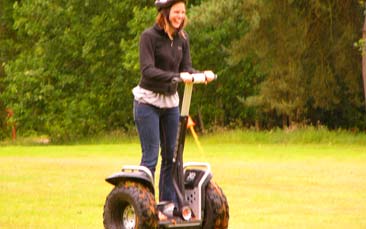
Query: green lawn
pixel 267 185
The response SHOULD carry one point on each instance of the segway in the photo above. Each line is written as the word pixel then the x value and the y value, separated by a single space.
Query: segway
pixel 201 202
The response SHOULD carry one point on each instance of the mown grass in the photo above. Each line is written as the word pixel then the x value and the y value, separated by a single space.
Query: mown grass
pixel 304 135
pixel 271 181
pixel 308 135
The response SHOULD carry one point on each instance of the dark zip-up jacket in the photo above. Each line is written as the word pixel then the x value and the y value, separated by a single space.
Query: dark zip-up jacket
pixel 162 59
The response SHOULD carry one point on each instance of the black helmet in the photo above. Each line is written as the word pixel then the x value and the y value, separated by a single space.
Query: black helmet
pixel 160 4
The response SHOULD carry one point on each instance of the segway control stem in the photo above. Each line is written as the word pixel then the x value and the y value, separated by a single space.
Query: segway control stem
pixel 178 173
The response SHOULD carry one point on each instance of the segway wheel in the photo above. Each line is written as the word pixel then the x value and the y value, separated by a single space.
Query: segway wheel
pixel 216 214
pixel 130 205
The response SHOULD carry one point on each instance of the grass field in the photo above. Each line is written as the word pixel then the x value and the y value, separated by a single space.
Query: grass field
pixel 267 185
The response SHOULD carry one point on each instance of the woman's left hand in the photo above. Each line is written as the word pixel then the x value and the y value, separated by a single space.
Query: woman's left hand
pixel 209 75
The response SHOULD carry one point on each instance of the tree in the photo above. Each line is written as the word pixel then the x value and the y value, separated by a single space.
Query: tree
pixel 305 48
pixel 278 43
pixel 69 80
pixel 333 64
pixel 214 25
pixel 8 52
pixel 68 67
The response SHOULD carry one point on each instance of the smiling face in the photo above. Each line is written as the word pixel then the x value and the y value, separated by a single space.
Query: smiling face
pixel 177 14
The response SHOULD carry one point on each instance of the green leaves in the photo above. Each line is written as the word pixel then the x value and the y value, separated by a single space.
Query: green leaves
pixel 67 67
pixel 69 78
pixel 141 19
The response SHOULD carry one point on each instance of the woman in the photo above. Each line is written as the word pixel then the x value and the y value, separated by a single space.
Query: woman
pixel 164 55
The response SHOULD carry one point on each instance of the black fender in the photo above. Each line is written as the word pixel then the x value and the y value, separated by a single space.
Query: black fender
pixel 139 174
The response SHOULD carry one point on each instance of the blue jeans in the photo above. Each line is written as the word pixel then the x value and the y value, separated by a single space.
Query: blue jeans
pixel 157 126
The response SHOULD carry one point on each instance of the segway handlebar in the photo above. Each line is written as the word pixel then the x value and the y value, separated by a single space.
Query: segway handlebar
pixel 197 78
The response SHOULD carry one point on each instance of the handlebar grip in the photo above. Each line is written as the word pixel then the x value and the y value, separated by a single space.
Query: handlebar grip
pixel 197 78
pixel 201 77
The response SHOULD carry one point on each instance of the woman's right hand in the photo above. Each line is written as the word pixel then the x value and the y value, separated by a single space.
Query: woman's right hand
pixel 186 77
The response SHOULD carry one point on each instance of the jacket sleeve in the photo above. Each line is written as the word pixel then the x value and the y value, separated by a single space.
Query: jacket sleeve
pixel 147 61
pixel 186 64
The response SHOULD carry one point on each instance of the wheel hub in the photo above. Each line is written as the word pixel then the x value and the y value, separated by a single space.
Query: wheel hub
pixel 129 217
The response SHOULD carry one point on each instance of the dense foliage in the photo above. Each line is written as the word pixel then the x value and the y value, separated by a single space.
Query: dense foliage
pixel 69 79
pixel 286 61
pixel 67 67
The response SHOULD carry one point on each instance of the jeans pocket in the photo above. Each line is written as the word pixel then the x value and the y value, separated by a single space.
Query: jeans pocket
pixel 142 110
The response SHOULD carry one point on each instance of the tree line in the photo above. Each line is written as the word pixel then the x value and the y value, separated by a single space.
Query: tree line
pixel 67 68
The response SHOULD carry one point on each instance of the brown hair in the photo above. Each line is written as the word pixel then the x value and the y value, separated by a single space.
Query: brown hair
pixel 162 21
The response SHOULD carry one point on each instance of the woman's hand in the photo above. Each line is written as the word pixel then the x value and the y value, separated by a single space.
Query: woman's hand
pixel 186 77
pixel 209 75
pixel 205 77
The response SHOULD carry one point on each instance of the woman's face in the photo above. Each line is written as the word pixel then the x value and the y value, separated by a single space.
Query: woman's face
pixel 177 14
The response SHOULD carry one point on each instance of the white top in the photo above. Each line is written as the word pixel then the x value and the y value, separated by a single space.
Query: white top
pixel 158 100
